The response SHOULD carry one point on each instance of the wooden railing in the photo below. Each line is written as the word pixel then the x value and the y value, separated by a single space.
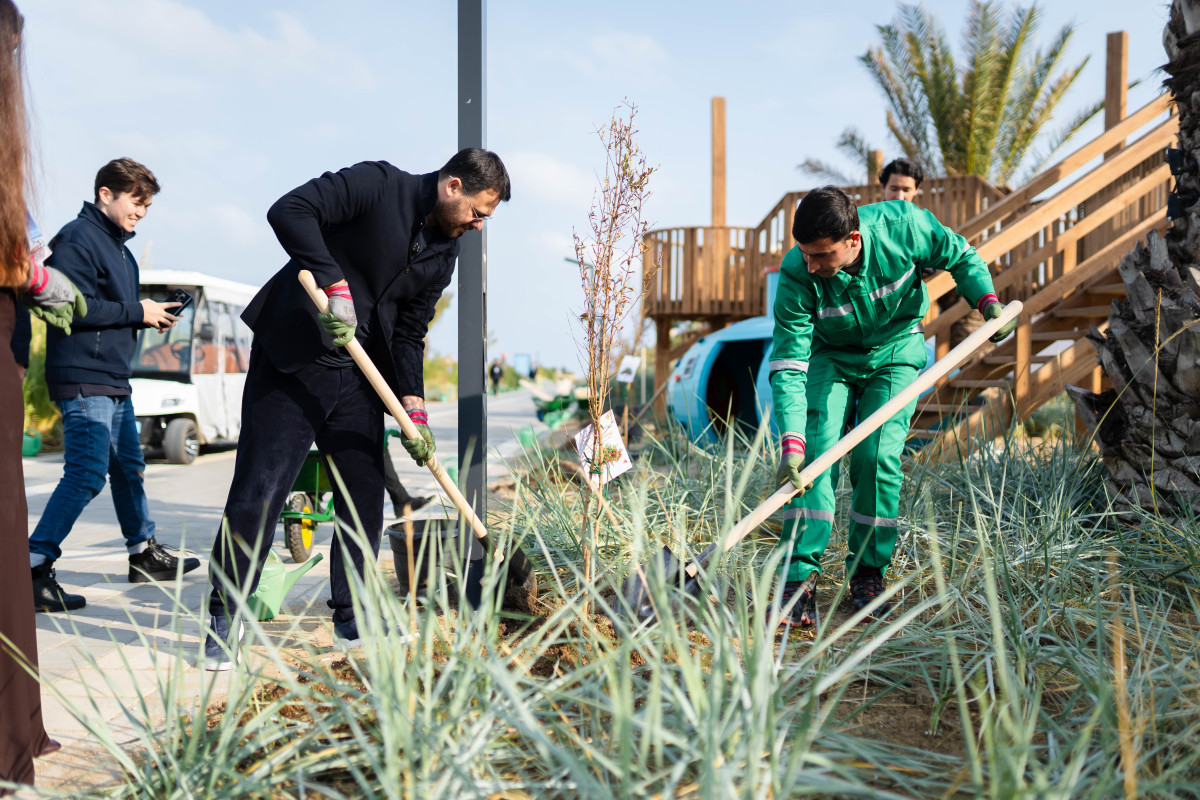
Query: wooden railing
pixel 703 272
pixel 707 272
pixel 1058 256
pixel 1029 245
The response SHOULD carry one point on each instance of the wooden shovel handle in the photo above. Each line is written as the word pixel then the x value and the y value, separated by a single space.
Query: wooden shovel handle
pixel 864 429
pixel 392 403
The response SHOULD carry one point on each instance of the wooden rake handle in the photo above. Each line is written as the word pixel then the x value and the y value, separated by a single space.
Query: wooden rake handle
pixel 392 403
pixel 861 431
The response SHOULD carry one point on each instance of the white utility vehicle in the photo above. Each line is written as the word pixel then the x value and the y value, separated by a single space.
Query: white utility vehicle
pixel 187 382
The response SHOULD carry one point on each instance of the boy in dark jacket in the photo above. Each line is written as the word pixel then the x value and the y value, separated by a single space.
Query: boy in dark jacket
pixel 87 373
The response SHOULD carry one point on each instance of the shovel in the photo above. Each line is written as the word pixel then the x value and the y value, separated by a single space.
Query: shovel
pixel 636 599
pixel 519 579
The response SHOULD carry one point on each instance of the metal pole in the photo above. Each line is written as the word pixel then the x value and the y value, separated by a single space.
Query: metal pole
pixel 472 264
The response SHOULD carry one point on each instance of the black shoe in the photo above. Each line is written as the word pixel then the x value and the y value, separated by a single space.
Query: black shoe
pixel 865 585
pixel 802 597
pixel 48 595
pixel 413 503
pixel 156 564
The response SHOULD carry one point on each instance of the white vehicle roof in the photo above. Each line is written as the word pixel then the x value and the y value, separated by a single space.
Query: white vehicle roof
pixel 218 289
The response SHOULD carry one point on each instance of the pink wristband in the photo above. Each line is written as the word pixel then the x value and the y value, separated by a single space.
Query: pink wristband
pixel 39 276
pixel 986 301
pixel 419 417
pixel 793 445
pixel 342 291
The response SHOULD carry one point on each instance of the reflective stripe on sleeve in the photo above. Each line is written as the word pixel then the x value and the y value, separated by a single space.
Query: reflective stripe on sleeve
pixel 785 363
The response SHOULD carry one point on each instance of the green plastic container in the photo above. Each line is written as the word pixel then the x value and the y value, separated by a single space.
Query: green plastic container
pixel 31 444
pixel 274 584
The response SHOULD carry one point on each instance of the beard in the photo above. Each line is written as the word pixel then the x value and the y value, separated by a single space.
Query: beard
pixel 442 219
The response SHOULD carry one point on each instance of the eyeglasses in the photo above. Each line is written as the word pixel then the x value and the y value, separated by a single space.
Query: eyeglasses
pixel 475 215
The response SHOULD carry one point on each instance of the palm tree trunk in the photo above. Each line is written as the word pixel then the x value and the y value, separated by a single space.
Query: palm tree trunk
pixel 1148 425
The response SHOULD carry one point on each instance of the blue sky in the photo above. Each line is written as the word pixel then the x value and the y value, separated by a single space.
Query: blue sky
pixel 233 104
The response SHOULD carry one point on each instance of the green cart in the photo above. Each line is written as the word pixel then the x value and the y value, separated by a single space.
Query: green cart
pixel 303 510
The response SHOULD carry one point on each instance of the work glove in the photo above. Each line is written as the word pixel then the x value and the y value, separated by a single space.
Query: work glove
pixel 419 447
pixel 339 321
pixel 993 310
pixel 52 298
pixel 791 462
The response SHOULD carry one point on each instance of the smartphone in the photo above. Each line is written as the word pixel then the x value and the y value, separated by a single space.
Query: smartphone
pixel 181 297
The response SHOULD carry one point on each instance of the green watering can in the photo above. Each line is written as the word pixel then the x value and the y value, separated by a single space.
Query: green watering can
pixel 275 583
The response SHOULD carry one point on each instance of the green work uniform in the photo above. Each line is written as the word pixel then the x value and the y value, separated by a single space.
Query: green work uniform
pixel 844 346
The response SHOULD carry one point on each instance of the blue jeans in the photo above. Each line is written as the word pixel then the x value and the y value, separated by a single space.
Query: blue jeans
pixel 101 439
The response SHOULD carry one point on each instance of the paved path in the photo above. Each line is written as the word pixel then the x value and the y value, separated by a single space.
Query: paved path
pixel 106 654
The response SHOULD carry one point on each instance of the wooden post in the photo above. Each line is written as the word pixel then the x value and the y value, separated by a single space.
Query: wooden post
pixel 1021 369
pixel 662 350
pixel 874 167
pixel 718 162
pixel 1116 83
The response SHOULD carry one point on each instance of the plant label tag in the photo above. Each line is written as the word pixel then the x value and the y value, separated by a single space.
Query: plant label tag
pixel 628 369
pixel 613 459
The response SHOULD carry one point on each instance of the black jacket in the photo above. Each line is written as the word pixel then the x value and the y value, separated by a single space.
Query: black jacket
pixel 365 224
pixel 91 251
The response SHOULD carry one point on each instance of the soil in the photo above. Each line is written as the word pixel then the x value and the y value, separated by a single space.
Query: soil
pixel 881 711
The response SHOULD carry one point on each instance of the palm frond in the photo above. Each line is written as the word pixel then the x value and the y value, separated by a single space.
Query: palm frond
pixel 982 87
pixel 1060 138
pixel 826 172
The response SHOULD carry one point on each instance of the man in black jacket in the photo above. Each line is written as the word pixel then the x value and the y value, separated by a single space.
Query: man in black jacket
pixel 87 373
pixel 382 244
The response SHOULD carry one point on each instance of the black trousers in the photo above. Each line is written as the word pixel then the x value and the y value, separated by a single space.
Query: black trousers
pixel 282 415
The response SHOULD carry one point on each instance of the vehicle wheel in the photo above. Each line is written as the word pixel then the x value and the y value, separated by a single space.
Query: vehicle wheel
pixel 181 441
pixel 298 533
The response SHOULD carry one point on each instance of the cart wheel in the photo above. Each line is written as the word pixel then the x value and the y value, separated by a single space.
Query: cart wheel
pixel 181 441
pixel 298 533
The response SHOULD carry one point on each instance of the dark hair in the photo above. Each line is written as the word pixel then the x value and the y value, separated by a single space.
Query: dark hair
pixel 902 166
pixel 123 175
pixel 14 154
pixel 479 170
pixel 825 213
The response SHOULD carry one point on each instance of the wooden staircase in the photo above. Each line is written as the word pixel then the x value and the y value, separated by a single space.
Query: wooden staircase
pixel 1058 255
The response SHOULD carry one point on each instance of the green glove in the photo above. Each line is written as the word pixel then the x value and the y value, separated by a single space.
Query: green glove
pixel 51 305
pixel 993 310
pixel 792 462
pixel 339 321
pixel 419 447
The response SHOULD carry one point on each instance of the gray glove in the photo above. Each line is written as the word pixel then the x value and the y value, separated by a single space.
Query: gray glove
pixel 52 298
pixel 791 462
pixel 340 321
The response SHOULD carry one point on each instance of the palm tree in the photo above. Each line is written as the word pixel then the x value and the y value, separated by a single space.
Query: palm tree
pixel 1148 425
pixel 982 117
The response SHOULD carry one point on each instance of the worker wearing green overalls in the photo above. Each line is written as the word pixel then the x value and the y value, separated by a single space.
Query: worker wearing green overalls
pixel 848 338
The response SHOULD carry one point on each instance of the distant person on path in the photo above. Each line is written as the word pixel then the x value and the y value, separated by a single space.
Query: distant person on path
pixel 848 338
pixel 382 243
pixel 50 296
pixel 87 374
pixel 496 373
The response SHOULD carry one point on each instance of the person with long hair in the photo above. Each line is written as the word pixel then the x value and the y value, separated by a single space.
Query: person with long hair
pixel 53 298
